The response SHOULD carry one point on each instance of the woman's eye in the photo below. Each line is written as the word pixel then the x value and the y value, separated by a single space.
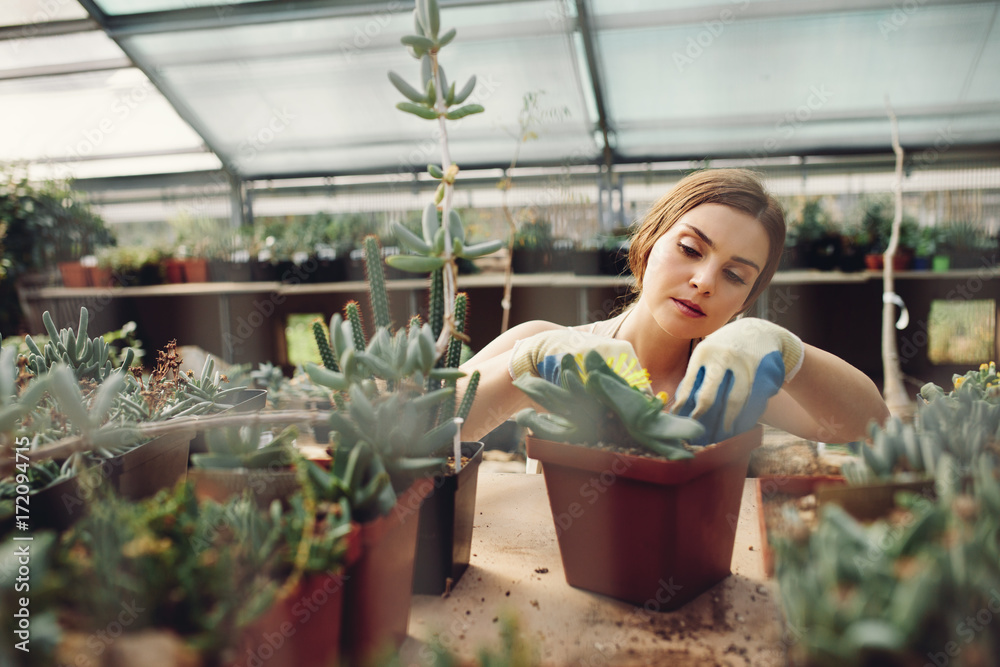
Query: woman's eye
pixel 688 250
pixel 735 277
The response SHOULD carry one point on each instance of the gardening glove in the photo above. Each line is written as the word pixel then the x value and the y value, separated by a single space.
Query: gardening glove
pixel 732 374
pixel 541 355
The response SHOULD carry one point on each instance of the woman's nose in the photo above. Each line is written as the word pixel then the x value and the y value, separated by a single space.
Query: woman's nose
pixel 703 280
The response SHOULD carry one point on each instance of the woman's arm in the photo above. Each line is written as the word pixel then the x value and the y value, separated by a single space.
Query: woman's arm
pixel 497 399
pixel 828 400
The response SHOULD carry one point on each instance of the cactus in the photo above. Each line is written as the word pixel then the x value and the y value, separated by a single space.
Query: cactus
pixel 353 312
pixel 455 345
pixel 595 406
pixel 376 283
pixel 469 396
pixel 435 308
pixel 323 343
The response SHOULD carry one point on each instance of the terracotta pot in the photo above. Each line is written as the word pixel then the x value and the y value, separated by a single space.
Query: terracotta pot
pixel 173 270
pixel 303 629
pixel 73 274
pixel 195 270
pixel 651 532
pixel 874 262
pixel 446 518
pixel 100 276
pixel 794 486
pixel 222 484
pixel 378 591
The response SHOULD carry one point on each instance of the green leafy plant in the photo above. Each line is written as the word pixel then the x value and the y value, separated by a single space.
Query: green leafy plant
pixel 534 235
pixel 596 406
pixel 240 448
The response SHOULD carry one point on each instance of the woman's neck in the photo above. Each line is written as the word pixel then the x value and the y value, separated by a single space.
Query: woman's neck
pixel 659 352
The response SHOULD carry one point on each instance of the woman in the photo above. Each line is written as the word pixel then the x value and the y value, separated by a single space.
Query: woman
pixel 702 256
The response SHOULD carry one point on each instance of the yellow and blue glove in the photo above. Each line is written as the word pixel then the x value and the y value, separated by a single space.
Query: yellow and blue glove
pixel 541 355
pixel 732 374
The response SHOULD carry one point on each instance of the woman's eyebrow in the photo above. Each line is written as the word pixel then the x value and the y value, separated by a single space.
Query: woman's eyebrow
pixel 711 244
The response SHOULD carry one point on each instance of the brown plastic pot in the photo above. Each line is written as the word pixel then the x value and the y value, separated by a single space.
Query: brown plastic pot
pixel 794 486
pixel 444 542
pixel 378 589
pixel 651 532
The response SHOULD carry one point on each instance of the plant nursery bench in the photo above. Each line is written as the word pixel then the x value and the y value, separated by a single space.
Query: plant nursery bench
pixel 515 570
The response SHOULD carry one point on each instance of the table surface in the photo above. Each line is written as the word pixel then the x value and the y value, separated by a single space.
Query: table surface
pixel 737 622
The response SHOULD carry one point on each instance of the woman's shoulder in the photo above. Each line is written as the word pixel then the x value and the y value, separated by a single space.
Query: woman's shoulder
pixel 608 327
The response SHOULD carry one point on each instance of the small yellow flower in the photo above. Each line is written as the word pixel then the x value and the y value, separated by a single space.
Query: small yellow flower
pixel 625 366
pixel 959 381
pixel 664 397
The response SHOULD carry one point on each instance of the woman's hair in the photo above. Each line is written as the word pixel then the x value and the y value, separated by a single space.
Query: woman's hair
pixel 736 188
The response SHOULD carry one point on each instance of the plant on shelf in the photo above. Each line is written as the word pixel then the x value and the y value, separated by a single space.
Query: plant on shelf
pixel 817 238
pixel 533 246
pixel 966 243
pixel 133 265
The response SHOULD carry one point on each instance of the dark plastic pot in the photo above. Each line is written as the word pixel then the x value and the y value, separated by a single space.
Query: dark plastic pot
pixel 654 533
pixel 531 261
pixel 614 262
pixel 378 590
pixel 228 272
pixel 446 517
pixel 872 501
pixel 586 262
pixel 156 465
pixel 506 437
pixel 264 485
pixel 248 400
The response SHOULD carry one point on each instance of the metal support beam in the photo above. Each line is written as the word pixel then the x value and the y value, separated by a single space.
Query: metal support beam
pixel 593 67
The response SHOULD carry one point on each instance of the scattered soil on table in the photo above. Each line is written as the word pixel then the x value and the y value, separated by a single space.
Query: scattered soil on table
pixel 785 454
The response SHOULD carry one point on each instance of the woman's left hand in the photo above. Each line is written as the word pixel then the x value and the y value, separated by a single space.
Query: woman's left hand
pixel 733 372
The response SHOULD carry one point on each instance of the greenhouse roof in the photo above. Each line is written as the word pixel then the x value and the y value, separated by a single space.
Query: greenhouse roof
pixel 271 89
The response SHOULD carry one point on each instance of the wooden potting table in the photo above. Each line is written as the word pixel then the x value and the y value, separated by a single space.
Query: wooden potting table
pixel 516 570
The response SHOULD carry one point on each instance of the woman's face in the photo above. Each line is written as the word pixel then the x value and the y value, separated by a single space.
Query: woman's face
pixel 701 271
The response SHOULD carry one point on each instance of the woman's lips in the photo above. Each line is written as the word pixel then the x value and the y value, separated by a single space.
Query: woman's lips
pixel 688 308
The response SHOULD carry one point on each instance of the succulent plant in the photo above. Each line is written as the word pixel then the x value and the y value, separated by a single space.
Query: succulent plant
pixel 894 592
pixel 87 357
pixel 951 432
pixel 240 448
pixel 594 405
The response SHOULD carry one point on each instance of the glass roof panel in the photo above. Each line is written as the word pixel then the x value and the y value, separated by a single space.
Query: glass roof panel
pixel 31 12
pixel 817 68
pixel 57 51
pixel 83 116
pixel 316 92
pixel 121 7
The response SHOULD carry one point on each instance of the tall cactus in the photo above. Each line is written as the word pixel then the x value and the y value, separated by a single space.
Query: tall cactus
pixel 323 343
pixel 353 312
pixel 469 396
pixel 455 344
pixel 376 283
pixel 435 308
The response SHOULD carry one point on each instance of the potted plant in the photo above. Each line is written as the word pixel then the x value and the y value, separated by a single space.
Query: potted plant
pixel 75 387
pixel 533 246
pixel 395 391
pixel 966 244
pixel 246 459
pixel 604 435
pixel 818 241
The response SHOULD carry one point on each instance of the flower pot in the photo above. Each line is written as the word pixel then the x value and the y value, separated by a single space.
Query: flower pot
pixel 872 501
pixel 303 629
pixel 531 261
pixel 74 274
pixel 173 270
pixel 195 270
pixel 265 485
pixel 248 400
pixel 378 590
pixel 921 263
pixel 155 465
pixel 874 262
pixel 940 263
pixel 100 276
pixel 586 262
pixel 444 542
pixel 228 272
pixel 614 262
pixel 790 486
pixel 645 530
